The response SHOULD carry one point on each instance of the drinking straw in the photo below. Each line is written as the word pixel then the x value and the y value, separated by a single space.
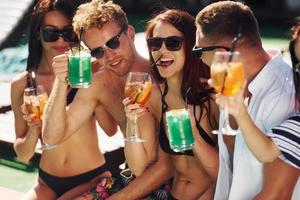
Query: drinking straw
pixel 234 42
pixel 80 35
pixel 33 81
pixel 33 84
pixel 297 68
pixel 185 97
pixel 232 49
pixel 72 50
pixel 155 62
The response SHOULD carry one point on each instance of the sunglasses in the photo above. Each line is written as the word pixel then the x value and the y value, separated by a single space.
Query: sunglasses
pixel 173 43
pixel 113 43
pixel 199 51
pixel 53 34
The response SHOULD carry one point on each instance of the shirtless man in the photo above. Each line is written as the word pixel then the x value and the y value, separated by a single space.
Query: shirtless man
pixel 106 32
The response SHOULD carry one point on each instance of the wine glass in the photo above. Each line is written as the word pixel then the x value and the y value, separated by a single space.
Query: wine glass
pixel 227 77
pixel 138 89
pixel 35 100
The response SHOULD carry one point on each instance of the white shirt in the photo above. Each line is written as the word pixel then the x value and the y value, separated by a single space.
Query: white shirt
pixel 272 101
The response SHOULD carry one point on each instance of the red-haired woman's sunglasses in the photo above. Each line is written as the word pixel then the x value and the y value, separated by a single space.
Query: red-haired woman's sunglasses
pixel 173 43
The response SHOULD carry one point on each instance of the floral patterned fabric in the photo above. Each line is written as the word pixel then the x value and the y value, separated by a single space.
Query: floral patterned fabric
pixel 110 185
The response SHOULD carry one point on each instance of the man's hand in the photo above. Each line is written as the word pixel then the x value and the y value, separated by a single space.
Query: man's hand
pixel 60 67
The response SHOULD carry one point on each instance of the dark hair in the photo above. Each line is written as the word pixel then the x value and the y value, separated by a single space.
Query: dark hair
pixel 296 73
pixel 40 10
pixel 193 67
pixel 295 34
pixel 225 19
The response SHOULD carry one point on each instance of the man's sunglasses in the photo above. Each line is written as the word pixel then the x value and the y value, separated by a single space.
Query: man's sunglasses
pixel 173 43
pixel 53 34
pixel 199 51
pixel 113 43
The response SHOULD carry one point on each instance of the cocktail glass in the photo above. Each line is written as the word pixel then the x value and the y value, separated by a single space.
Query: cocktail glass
pixel 227 75
pixel 180 130
pixel 80 70
pixel 138 89
pixel 35 100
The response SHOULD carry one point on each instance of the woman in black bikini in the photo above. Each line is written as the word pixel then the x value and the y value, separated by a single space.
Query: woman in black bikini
pixel 67 165
pixel 170 38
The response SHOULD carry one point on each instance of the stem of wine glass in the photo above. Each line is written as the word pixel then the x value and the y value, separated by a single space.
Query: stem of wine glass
pixel 227 130
pixel 227 125
pixel 135 126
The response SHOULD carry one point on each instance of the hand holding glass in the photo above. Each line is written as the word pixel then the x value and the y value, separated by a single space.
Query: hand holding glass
pixel 80 70
pixel 35 100
pixel 138 89
pixel 227 77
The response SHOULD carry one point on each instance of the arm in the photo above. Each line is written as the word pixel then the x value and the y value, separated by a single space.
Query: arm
pixel 280 179
pixel 106 121
pixel 60 124
pixel 153 177
pixel 27 132
pixel 205 153
pixel 260 145
pixel 139 155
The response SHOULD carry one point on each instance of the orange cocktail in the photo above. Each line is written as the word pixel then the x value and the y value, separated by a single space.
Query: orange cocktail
pixel 35 100
pixel 227 78
pixel 138 92
pixel 138 89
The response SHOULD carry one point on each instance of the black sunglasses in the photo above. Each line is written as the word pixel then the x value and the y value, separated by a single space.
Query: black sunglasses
pixel 198 51
pixel 173 43
pixel 53 34
pixel 113 43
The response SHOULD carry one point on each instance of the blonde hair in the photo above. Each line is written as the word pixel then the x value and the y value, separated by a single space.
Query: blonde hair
pixel 97 13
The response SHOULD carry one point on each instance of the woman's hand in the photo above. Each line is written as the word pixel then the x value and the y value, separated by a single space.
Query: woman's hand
pixel 32 123
pixel 133 111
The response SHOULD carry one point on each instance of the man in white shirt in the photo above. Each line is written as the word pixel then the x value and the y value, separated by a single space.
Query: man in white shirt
pixel 271 100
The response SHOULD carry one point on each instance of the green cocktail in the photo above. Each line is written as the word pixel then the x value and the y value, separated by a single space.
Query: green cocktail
pixel 80 71
pixel 180 130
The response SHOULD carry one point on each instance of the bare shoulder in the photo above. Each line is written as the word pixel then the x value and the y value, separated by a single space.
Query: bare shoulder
pixel 103 79
pixel 18 83
pixel 17 87
pixel 155 100
pixel 102 87
pixel 20 79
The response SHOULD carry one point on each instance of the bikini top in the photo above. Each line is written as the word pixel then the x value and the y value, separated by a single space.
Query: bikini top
pixel 164 141
pixel 70 96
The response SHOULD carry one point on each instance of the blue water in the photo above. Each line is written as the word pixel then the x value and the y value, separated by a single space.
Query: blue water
pixel 13 60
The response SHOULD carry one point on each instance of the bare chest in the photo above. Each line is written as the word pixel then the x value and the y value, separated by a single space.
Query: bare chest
pixel 113 104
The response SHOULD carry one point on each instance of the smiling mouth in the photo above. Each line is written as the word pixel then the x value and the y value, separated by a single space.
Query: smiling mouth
pixel 165 62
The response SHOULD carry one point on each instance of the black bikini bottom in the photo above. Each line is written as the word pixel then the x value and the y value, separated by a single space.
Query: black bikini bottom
pixel 60 185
